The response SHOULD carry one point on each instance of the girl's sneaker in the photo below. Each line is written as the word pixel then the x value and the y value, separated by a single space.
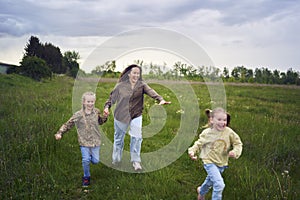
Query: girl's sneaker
pixel 137 166
pixel 86 181
pixel 200 197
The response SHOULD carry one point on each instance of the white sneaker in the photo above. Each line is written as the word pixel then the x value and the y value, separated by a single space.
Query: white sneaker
pixel 200 197
pixel 137 166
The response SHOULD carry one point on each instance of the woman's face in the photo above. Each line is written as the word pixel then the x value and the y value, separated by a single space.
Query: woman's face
pixel 134 75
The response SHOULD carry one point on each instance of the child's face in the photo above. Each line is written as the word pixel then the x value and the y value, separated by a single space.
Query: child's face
pixel 219 121
pixel 89 102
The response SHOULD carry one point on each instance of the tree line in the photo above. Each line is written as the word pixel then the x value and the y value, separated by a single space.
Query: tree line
pixel 262 75
pixel 43 60
pixel 203 73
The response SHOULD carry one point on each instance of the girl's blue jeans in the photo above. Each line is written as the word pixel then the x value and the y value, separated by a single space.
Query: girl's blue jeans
pixel 215 180
pixel 135 132
pixel 89 155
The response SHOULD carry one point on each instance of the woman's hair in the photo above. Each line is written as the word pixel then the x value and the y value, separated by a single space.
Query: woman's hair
pixel 127 70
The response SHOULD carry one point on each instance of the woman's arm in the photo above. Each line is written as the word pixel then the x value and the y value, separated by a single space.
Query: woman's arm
pixel 111 100
pixel 152 93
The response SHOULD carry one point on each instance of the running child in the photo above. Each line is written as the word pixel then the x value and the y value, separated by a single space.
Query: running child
pixel 216 144
pixel 87 121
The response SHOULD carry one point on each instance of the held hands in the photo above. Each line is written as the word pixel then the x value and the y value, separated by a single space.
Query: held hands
pixel 162 102
pixel 105 112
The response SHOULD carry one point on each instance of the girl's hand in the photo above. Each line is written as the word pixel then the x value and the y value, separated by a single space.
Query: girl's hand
pixel 192 156
pixel 231 154
pixel 162 102
pixel 58 136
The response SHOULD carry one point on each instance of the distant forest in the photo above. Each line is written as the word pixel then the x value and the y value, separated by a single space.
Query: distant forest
pixel 203 73
pixel 44 60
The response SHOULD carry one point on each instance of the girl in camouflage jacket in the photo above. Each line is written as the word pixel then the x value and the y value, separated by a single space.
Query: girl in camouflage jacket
pixel 87 121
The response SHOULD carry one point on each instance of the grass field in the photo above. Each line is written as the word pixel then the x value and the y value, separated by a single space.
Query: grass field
pixel 35 166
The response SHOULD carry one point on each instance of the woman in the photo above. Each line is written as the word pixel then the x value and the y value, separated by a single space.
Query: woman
pixel 128 95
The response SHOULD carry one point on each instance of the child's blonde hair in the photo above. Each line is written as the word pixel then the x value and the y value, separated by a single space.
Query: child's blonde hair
pixel 217 110
pixel 87 94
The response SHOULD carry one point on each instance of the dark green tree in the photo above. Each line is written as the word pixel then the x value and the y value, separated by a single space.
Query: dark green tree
pixel 282 77
pixel 71 56
pixel 53 57
pixel 33 47
pixel 276 77
pixel 258 75
pixel 267 75
pixel 242 74
pixel 35 68
pixel 225 73
pixel 235 73
pixel 291 77
pixel 70 63
pixel 48 52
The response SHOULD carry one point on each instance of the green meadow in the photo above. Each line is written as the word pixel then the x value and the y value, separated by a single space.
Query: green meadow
pixel 33 165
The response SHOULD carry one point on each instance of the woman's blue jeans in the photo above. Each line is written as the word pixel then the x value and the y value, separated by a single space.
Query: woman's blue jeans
pixel 215 180
pixel 135 132
pixel 89 155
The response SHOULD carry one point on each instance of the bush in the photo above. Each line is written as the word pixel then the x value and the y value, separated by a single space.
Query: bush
pixel 35 68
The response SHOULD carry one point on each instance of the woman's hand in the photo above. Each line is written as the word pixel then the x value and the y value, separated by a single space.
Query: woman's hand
pixel 162 102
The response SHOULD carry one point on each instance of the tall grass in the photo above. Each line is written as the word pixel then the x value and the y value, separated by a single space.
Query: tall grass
pixel 35 166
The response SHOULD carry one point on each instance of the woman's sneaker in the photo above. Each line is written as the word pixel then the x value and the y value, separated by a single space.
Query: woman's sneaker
pixel 200 197
pixel 116 163
pixel 86 181
pixel 137 166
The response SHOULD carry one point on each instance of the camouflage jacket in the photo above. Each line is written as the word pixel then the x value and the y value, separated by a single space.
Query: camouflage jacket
pixel 87 127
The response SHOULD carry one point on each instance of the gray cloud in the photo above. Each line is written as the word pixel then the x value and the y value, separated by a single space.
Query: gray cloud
pixel 77 18
pixel 222 26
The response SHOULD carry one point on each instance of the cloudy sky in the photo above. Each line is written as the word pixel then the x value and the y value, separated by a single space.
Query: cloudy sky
pixel 252 33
